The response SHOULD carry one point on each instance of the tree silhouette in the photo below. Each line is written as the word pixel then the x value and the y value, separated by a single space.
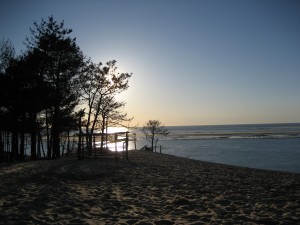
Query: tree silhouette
pixel 62 61
pixel 152 129
pixel 99 85
pixel 111 114
pixel 24 95
pixel 41 89
pixel 7 53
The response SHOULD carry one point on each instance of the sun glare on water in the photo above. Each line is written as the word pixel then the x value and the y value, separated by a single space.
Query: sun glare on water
pixel 111 144
pixel 111 130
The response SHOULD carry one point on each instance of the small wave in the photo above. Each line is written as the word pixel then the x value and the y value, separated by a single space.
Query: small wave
pixel 238 136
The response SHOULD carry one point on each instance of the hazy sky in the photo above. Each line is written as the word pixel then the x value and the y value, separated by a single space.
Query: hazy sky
pixel 193 62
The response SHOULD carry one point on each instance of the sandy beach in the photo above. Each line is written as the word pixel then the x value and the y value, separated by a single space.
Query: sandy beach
pixel 150 188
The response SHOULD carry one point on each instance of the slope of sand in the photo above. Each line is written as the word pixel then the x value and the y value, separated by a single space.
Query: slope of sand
pixel 148 189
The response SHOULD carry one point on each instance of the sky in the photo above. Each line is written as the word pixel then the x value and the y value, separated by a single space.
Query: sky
pixel 194 62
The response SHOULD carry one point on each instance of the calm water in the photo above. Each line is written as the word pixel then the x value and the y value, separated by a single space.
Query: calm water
pixel 272 146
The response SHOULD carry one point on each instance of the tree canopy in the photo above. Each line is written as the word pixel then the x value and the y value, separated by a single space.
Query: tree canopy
pixel 44 89
pixel 152 129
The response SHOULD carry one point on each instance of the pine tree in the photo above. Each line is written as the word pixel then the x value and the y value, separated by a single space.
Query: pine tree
pixel 61 63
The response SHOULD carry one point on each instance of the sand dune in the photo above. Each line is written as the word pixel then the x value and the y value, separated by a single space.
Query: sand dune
pixel 148 189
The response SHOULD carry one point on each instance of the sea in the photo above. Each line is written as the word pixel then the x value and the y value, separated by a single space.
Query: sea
pixel 261 146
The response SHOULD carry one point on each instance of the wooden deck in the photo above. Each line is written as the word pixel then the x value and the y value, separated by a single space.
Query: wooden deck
pixel 96 151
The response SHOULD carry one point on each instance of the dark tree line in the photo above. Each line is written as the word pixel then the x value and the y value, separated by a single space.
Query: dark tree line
pixel 43 92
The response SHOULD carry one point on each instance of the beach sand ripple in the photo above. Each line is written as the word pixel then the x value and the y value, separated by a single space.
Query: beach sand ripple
pixel 150 188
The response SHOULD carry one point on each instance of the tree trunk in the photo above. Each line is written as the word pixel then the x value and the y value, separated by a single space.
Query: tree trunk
pixel 152 142
pixel 68 143
pixel 1 148
pixel 87 131
pixel 22 145
pixel 49 146
pixel 80 150
pixel 55 133
pixel 33 136
pixel 39 154
pixel 14 147
pixel 102 131
pixel 7 145
pixel 22 138
pixel 95 119
pixel 40 143
pixel 106 131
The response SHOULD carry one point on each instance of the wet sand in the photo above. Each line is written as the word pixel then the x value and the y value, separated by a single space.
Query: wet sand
pixel 150 188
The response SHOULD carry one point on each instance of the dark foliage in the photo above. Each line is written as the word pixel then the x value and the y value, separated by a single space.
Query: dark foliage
pixel 40 90
pixel 152 129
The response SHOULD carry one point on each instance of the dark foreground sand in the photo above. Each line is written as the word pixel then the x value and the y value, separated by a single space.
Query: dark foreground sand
pixel 149 189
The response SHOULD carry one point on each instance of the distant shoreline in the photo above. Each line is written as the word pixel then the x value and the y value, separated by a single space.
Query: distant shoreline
pixel 237 124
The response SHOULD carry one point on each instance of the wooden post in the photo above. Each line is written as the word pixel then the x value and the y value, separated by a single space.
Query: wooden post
pixel 80 149
pixel 116 140
pixel 127 145
pixel 94 144
pixel 79 146
pixel 134 138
